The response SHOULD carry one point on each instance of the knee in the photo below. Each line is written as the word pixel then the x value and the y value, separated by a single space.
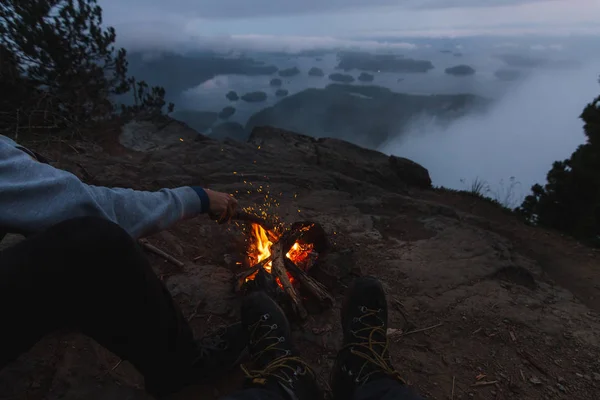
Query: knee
pixel 92 234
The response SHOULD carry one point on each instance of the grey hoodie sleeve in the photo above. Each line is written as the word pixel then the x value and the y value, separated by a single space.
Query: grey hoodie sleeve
pixel 35 196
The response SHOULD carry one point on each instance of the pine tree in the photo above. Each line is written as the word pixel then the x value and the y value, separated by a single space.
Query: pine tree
pixel 62 50
pixel 570 200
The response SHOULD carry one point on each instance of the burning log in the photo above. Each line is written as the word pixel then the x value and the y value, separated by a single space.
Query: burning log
pixel 251 271
pixel 279 270
pixel 316 288
pixel 285 260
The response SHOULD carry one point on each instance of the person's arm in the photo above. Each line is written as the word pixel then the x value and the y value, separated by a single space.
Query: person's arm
pixel 35 196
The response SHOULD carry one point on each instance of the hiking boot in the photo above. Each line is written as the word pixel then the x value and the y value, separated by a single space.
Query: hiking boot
pixel 220 351
pixel 276 364
pixel 365 355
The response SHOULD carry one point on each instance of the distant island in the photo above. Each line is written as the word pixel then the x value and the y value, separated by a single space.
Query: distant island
pixel 281 92
pixel 254 97
pixel 381 62
pixel 460 70
pixel 446 51
pixel 343 78
pixel 227 112
pixel 365 77
pixel 289 72
pixel 365 115
pixel 276 82
pixel 177 72
pixel 232 96
pixel 314 71
pixel 507 74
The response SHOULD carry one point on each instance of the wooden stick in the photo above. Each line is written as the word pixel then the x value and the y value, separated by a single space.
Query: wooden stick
pixel 161 253
pixel 240 278
pixel 316 288
pixel 423 329
pixel 117 365
pixel 533 362
pixel 249 271
pixel 279 270
pixel 400 308
pixel 484 383
pixel 241 215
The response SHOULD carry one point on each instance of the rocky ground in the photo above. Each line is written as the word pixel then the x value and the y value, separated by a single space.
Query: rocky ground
pixel 485 306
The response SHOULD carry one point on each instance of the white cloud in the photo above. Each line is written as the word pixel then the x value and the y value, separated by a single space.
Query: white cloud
pixel 188 39
pixel 229 9
pixel 541 47
pixel 295 44
pixel 353 18
pixel 507 45
pixel 527 130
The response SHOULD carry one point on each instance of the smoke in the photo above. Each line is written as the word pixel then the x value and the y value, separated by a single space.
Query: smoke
pixel 530 127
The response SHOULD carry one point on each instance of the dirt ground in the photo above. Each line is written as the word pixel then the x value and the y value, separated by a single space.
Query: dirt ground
pixel 485 306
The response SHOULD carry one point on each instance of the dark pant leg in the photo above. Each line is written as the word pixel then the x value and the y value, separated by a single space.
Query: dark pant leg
pixel 254 394
pixel 89 275
pixel 385 389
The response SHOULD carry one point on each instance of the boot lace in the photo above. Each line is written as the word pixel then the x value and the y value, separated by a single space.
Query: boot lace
pixel 366 345
pixel 285 367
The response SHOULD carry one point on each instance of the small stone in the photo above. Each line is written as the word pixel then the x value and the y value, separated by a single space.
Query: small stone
pixel 535 380
pixel 596 376
pixel 578 375
pixel 587 377
pixel 493 392
pixel 561 387
pixel 471 395
pixel 560 379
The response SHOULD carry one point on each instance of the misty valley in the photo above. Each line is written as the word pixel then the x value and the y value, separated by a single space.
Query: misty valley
pixel 436 102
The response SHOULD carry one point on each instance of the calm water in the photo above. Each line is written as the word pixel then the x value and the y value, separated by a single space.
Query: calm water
pixel 210 95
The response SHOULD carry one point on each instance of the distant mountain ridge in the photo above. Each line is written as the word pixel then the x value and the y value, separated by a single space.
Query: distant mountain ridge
pixel 365 115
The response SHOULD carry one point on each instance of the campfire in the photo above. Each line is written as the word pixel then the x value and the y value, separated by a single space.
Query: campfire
pixel 280 264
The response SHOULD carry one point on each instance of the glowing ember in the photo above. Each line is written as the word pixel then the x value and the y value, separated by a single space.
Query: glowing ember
pixel 299 252
pixel 259 249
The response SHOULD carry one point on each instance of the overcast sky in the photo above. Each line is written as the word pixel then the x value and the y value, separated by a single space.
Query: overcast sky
pixel 318 23
pixel 143 22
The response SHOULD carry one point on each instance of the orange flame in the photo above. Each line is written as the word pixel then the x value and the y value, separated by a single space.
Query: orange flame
pixel 259 249
pixel 260 246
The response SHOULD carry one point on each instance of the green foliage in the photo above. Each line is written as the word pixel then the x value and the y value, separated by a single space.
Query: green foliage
pixel 478 187
pixel 570 200
pixel 504 194
pixel 147 100
pixel 59 53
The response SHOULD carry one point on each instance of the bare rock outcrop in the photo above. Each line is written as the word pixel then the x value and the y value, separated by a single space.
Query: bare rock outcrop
pixel 472 290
